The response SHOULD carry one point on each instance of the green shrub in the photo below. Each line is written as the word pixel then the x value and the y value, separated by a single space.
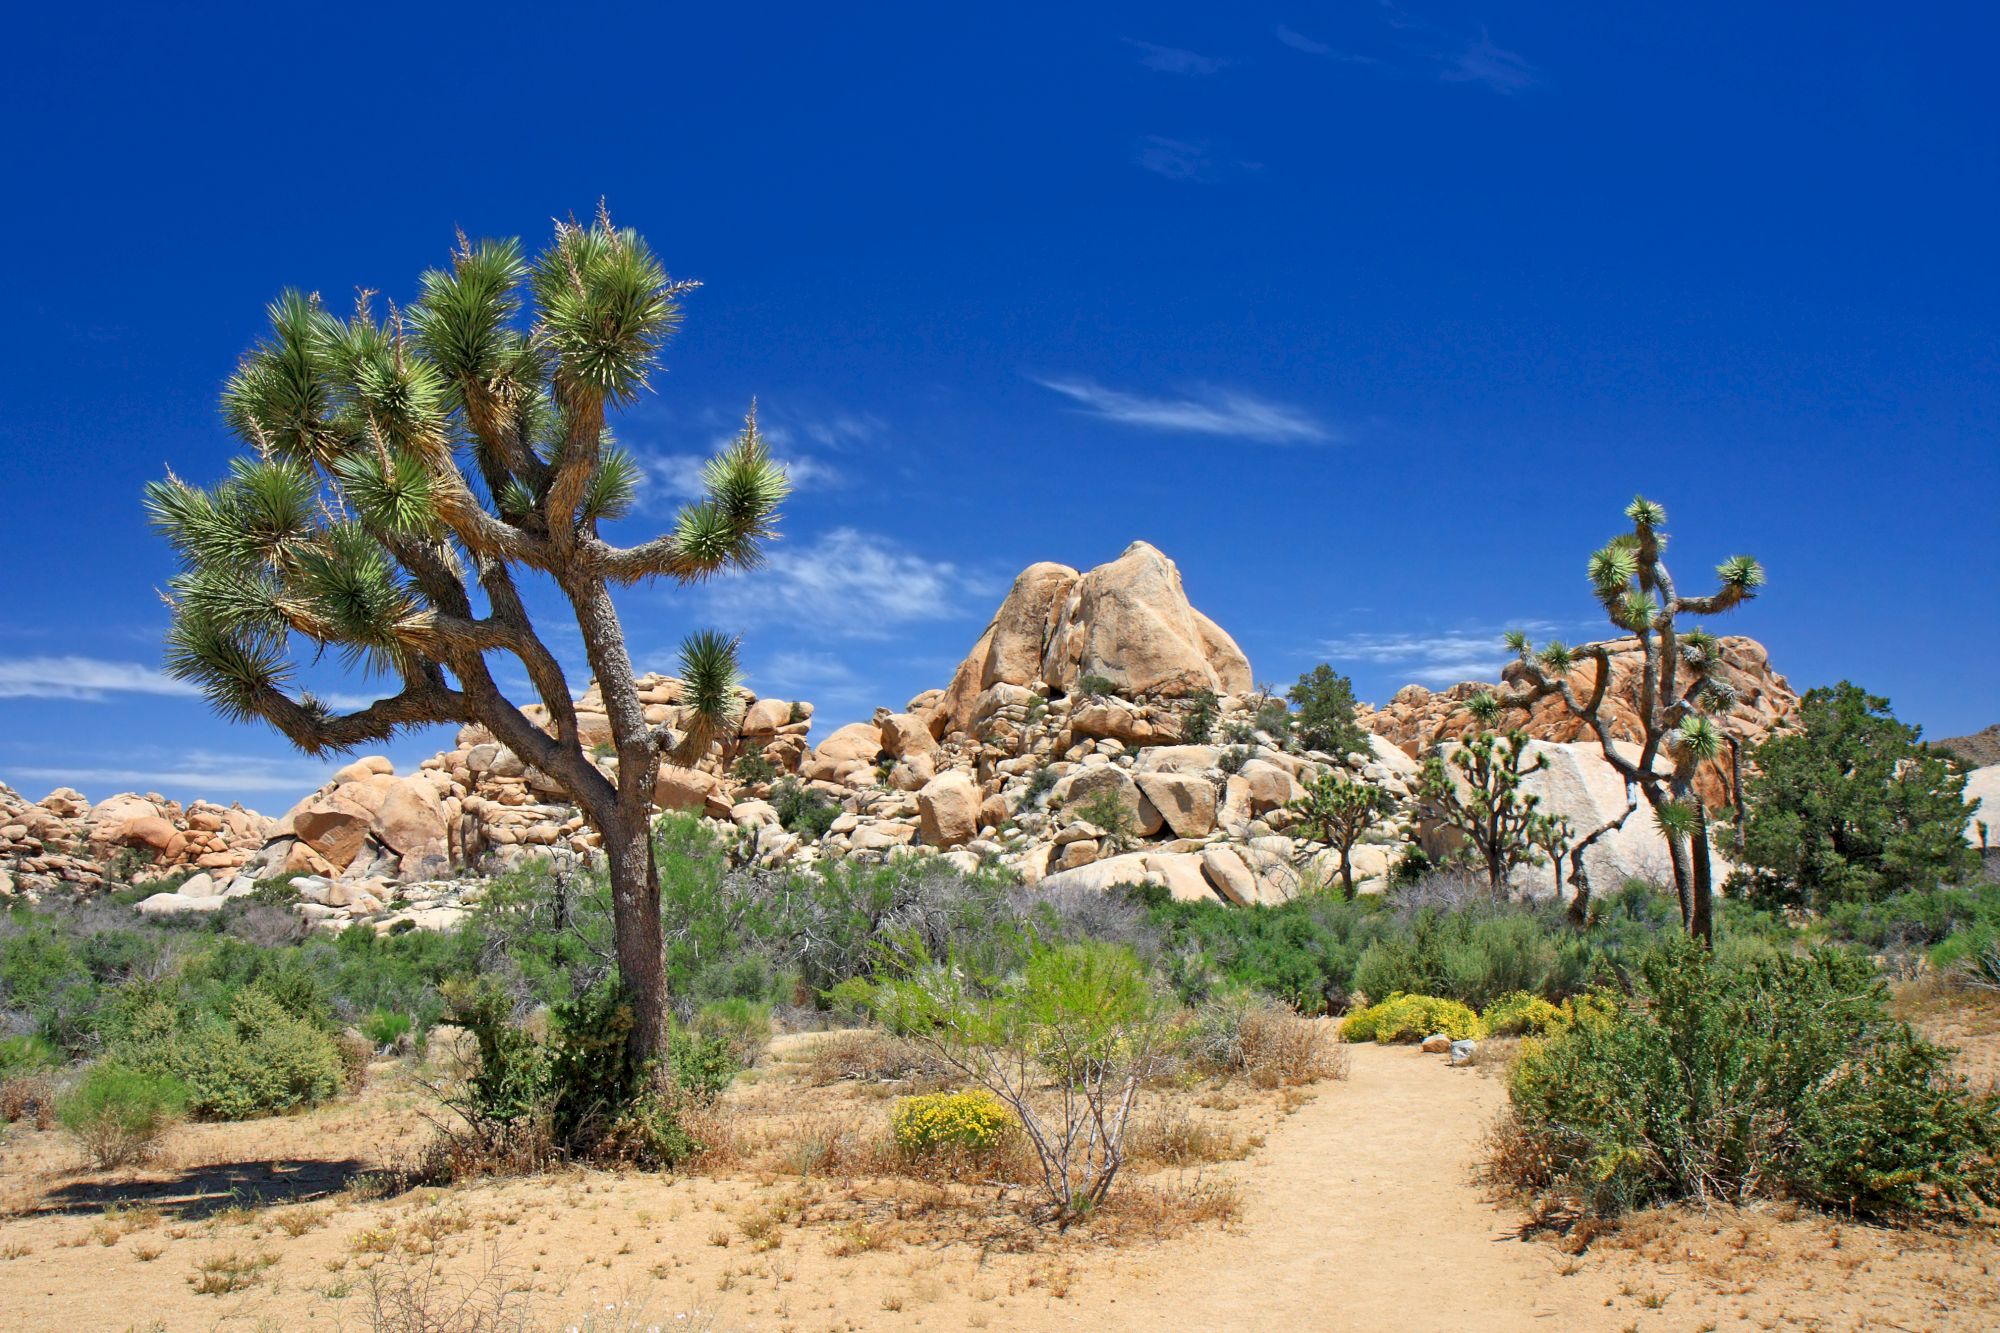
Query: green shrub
pixel 1411 1018
pixel 743 1025
pixel 803 810
pixel 1479 954
pixel 753 768
pixel 261 1059
pixel 1782 1077
pixel 1087 1014
pixel 1232 759
pixel 1092 686
pixel 26 1055
pixel 1108 811
pixel 1039 783
pixel 1325 700
pixel 1274 720
pixel 118 1115
pixel 385 1029
pixel 1850 804
pixel 974 1122
pixel 1199 723
pixel 577 1094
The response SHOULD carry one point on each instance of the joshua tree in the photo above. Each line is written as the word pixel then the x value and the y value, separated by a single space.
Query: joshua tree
pixel 1490 809
pixel 1678 688
pixel 407 474
pixel 1337 810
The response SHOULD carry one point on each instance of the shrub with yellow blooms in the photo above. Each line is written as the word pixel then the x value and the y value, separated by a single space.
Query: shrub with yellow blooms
pixel 974 1121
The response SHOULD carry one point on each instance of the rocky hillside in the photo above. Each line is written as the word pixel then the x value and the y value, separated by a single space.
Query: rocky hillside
pixel 1979 750
pixel 63 841
pixel 1079 698
pixel 1417 718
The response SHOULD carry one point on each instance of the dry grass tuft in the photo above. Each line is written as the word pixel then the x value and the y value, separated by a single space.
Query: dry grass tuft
pixel 1177 1137
pixel 868 1056
pixel 1282 1050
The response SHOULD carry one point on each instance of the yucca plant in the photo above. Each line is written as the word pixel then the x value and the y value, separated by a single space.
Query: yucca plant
pixel 1681 692
pixel 405 475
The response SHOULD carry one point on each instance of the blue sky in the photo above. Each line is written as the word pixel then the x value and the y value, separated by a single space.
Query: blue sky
pixel 1371 315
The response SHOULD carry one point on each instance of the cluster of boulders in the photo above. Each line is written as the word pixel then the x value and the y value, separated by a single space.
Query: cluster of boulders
pixel 1102 731
pixel 1079 700
pixel 64 841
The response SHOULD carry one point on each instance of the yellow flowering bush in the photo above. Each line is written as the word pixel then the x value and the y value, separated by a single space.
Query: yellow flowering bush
pixel 975 1121
pixel 1519 1014
pixel 1411 1018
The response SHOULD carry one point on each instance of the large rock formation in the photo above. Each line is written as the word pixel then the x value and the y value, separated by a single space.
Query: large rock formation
pixel 1128 622
pixel 1417 719
pixel 63 841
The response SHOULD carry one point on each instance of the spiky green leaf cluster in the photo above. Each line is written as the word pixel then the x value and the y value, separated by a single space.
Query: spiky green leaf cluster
pixel 375 438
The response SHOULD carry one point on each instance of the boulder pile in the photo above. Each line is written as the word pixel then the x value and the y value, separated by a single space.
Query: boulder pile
pixel 1101 731
pixel 63 841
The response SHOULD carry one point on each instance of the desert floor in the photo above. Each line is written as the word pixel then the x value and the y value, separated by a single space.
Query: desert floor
pixel 1348 1205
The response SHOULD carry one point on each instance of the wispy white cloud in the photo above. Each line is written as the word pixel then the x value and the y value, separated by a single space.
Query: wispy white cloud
pixel 1433 658
pixel 834 430
pixel 1174 60
pixel 1225 412
pixel 89 679
pixel 1193 161
pixel 1491 67
pixel 201 771
pixel 1298 41
pixel 850 584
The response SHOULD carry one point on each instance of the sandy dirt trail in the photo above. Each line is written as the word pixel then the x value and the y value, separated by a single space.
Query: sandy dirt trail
pixel 1360 1214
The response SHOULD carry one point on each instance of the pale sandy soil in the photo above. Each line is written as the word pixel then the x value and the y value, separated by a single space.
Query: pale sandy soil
pixel 1356 1209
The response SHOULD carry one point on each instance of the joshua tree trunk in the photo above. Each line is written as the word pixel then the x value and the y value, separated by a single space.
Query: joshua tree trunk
pixel 1579 906
pixel 635 917
pixel 1701 919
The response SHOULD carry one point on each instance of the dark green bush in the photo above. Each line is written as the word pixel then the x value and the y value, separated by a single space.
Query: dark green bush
pixel 1785 1076
pixel 1476 956
pixel 384 1028
pixel 577 1094
pixel 1092 686
pixel 752 767
pixel 802 810
pixel 1850 804
pixel 1199 723
pixel 1325 719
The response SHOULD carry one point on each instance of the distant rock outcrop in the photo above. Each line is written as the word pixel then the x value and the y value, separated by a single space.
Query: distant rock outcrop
pixel 65 841
pixel 1979 750
pixel 1417 718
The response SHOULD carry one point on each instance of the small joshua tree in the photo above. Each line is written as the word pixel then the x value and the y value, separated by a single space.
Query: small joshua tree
pixel 1486 803
pixel 1679 688
pixel 407 474
pixel 1337 810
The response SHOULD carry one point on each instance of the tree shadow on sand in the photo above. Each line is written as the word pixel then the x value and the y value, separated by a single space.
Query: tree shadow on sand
pixel 202 1191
